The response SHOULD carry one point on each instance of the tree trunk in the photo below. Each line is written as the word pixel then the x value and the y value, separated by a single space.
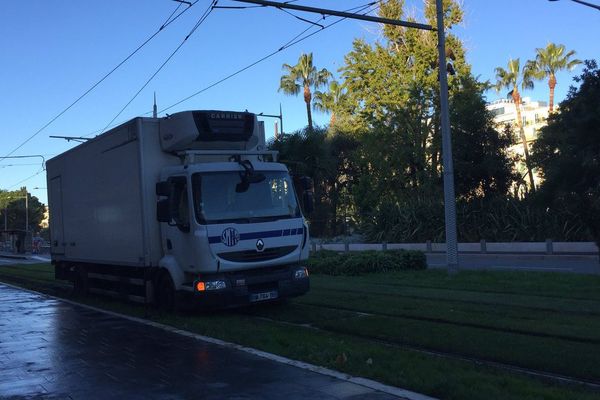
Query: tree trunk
pixel 307 99
pixel 517 99
pixel 552 85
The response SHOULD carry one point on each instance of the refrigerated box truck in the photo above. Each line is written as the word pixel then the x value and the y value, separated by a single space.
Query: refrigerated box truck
pixel 187 208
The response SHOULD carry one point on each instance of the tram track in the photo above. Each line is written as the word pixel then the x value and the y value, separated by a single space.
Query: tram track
pixel 543 375
pixel 455 323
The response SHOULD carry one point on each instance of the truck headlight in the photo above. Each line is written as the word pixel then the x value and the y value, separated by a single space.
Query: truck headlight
pixel 202 286
pixel 301 273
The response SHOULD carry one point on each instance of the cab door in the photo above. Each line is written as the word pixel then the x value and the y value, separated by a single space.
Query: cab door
pixel 179 236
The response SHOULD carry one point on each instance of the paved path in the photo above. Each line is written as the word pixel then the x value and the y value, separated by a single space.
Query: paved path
pixel 51 349
pixel 10 259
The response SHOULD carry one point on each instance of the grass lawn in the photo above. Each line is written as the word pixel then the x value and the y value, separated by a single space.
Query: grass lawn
pixel 371 325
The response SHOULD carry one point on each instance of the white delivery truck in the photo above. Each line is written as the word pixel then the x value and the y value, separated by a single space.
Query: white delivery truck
pixel 190 207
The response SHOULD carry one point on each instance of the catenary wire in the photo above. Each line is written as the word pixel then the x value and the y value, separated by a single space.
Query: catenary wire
pixel 204 16
pixel 297 39
pixel 370 7
pixel 169 20
pixel 26 179
pixel 290 43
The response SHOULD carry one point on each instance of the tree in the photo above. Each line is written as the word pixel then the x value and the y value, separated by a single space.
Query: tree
pixel 549 61
pixel 303 76
pixel 483 168
pixel 512 78
pixel 331 101
pixel 567 150
pixel 12 210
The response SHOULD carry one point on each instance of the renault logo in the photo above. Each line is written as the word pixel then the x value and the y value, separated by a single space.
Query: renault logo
pixel 260 245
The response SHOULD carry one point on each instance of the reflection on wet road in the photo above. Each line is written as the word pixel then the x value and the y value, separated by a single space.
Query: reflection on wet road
pixel 50 349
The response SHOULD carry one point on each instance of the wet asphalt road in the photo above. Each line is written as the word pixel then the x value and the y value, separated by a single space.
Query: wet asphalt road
pixel 50 349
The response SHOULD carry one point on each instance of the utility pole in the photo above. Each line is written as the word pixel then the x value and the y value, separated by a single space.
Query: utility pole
pixel 26 212
pixel 154 108
pixel 449 195
pixel 281 119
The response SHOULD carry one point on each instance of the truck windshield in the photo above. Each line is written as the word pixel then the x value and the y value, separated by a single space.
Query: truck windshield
pixel 216 199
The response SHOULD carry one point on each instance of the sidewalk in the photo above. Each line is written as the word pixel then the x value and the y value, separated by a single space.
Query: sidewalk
pixel 30 258
pixel 52 348
pixel 4 254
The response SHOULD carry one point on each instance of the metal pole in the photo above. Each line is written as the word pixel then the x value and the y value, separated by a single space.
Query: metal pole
pixel 324 11
pixel 281 119
pixel 26 212
pixel 449 196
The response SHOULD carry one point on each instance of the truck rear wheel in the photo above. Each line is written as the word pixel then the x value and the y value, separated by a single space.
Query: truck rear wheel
pixel 165 292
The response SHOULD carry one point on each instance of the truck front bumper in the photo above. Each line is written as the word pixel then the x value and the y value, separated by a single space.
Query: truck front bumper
pixel 249 287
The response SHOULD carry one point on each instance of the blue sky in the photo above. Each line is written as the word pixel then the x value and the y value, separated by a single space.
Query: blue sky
pixel 53 51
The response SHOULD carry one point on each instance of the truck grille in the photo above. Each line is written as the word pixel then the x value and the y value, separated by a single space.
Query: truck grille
pixel 253 255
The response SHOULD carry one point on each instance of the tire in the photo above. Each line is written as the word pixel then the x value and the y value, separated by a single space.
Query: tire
pixel 165 292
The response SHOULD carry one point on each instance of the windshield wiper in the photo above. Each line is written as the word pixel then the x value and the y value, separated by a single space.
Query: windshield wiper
pixel 270 218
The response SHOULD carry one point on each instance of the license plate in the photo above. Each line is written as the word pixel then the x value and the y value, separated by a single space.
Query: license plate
pixel 263 296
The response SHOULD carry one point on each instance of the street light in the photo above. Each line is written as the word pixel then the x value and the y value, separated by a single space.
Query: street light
pixel 585 3
pixel 280 117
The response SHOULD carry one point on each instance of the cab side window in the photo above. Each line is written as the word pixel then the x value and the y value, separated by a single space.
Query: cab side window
pixel 181 209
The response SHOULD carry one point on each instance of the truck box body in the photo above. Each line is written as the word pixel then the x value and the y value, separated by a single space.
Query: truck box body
pixel 103 200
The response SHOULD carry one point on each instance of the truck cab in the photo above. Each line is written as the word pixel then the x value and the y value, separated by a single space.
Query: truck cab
pixel 232 228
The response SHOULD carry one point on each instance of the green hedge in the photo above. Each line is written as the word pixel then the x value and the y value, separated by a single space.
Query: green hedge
pixel 356 263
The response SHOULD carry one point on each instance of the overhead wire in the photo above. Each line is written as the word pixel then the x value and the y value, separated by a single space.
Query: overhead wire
pixel 295 40
pixel 167 22
pixel 202 18
pixel 369 7
pixel 26 179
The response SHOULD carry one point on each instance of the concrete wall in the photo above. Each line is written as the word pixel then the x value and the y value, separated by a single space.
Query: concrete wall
pixel 547 247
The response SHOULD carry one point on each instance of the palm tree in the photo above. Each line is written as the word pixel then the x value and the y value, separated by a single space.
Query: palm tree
pixel 549 61
pixel 303 75
pixel 330 101
pixel 511 79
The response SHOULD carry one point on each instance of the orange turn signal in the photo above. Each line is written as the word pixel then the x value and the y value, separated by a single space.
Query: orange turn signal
pixel 200 286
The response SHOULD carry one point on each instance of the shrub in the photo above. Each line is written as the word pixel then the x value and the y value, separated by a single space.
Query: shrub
pixel 357 263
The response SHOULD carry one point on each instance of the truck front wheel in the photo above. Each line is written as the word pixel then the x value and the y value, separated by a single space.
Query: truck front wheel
pixel 165 292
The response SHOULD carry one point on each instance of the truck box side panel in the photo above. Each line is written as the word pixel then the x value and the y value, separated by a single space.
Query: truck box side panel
pixel 101 199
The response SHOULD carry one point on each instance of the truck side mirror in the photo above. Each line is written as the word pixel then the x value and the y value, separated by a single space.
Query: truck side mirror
pixel 308 200
pixel 163 210
pixel 308 194
pixel 307 183
pixel 163 189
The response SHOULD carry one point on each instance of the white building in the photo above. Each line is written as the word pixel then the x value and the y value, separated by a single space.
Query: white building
pixel 533 115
